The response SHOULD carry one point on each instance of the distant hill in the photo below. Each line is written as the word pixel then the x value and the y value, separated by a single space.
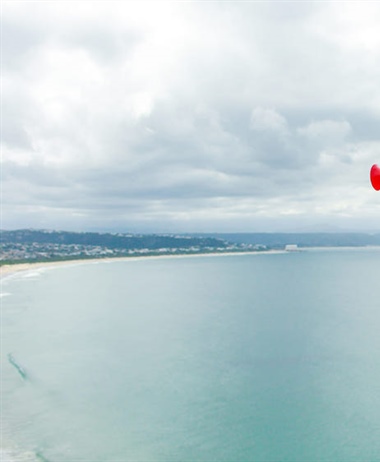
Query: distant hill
pixel 28 245
pixel 279 240
pixel 111 241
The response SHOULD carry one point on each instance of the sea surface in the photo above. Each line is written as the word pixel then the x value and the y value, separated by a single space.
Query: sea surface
pixel 265 358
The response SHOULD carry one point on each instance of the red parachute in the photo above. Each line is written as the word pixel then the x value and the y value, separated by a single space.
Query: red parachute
pixel 375 177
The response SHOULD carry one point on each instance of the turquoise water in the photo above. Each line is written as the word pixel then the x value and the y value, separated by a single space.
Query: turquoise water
pixel 226 358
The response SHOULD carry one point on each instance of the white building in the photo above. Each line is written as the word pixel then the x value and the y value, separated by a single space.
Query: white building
pixel 291 247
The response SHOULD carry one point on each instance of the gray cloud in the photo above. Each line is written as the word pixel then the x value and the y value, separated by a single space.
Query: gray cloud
pixel 254 116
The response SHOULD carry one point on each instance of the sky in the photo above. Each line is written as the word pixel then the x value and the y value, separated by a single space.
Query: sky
pixel 213 116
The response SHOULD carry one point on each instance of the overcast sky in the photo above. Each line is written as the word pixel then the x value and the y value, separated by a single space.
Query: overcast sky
pixel 190 116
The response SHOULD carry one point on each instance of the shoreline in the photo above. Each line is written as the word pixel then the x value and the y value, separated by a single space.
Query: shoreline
pixel 15 268
pixel 8 270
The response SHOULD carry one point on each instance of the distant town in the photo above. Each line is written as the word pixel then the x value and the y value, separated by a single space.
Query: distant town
pixel 30 245
pixel 43 245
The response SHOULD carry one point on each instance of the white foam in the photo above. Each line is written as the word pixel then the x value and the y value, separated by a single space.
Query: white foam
pixel 32 274
pixel 6 456
pixel 5 294
pixel 10 455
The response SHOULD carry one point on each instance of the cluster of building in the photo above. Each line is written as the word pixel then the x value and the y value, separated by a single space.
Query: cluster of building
pixel 38 251
pixel 48 251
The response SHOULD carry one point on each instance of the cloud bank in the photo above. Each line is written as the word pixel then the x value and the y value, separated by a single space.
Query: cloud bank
pixel 165 116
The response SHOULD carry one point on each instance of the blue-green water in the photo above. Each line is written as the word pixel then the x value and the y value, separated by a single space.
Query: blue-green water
pixel 226 358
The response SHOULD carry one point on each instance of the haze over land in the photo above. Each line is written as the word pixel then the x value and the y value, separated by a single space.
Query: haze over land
pixel 184 117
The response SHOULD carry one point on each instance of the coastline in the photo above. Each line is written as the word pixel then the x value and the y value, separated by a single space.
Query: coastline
pixel 10 270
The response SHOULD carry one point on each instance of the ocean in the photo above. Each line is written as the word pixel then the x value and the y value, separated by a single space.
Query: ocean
pixel 265 358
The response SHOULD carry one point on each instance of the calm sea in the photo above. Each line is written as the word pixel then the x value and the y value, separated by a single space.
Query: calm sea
pixel 266 358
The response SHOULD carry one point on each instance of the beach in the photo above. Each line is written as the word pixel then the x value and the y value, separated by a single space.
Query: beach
pixel 8 270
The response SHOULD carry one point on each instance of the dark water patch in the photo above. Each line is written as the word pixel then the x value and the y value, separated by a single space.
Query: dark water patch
pixel 17 366
pixel 41 457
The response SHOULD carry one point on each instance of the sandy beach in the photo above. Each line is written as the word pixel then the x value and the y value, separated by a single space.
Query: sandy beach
pixel 8 270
